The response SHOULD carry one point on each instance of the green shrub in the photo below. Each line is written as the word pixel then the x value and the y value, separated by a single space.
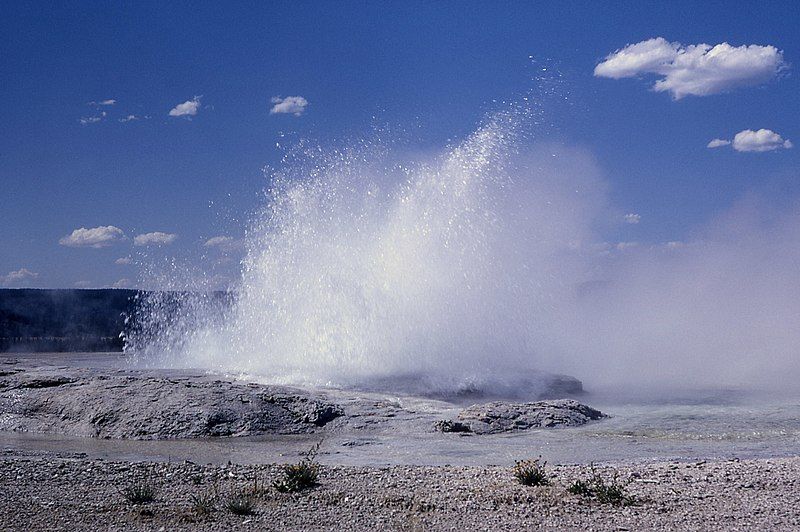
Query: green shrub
pixel 531 472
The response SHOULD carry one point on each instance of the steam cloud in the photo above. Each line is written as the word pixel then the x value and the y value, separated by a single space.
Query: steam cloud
pixel 483 265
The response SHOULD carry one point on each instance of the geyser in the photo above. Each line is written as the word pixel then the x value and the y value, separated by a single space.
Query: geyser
pixel 480 268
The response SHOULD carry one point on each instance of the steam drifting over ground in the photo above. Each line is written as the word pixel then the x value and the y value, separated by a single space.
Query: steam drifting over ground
pixel 480 267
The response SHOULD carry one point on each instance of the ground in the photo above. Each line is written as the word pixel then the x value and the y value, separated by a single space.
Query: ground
pixel 72 493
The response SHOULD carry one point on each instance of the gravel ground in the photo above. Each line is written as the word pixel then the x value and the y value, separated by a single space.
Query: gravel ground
pixel 46 493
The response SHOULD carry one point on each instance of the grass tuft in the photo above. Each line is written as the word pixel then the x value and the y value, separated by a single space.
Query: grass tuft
pixel 300 476
pixel 204 503
pixel 531 472
pixel 613 492
pixel 139 493
pixel 241 504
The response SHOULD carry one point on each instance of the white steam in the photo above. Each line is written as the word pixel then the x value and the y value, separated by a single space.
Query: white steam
pixel 480 267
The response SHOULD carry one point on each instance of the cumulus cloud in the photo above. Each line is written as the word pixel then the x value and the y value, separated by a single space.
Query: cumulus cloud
pixel 759 141
pixel 718 143
pixel 17 277
pixel 632 218
pixel 156 238
pixel 128 118
pixel 187 108
pixel 754 141
pixel 122 261
pixel 695 69
pixel 294 105
pixel 96 237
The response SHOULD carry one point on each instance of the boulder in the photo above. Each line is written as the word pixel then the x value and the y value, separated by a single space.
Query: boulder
pixel 497 417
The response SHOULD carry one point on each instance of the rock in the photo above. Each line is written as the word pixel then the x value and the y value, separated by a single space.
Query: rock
pixel 446 425
pixel 140 406
pixel 496 417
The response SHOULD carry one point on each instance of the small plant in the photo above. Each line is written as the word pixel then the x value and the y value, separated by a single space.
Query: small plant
pixel 240 504
pixel 613 492
pixel 300 476
pixel 204 503
pixel 259 487
pixel 139 493
pixel 580 487
pixel 531 472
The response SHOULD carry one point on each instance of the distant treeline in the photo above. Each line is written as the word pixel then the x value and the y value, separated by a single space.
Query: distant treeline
pixel 65 320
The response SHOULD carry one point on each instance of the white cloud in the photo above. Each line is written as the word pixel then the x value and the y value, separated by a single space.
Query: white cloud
pixel 156 238
pixel 294 105
pixel 122 283
pixel 86 120
pixel 20 276
pixel 187 108
pixel 759 141
pixel 696 69
pixel 622 246
pixel 128 118
pixel 96 237
pixel 122 261
pixel 108 102
pixel 223 243
pixel 632 218
pixel 718 143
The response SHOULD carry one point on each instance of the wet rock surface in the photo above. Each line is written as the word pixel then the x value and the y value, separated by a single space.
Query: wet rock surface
pixel 47 395
pixel 496 417
pixel 81 402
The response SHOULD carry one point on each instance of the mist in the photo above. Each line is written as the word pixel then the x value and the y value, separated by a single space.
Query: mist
pixel 481 267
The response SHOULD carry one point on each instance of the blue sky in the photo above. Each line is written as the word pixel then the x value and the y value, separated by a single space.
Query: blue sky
pixel 434 68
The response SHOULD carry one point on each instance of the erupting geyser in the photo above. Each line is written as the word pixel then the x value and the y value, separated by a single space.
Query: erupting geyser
pixel 482 267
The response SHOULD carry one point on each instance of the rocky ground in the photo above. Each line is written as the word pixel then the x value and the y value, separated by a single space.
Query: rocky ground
pixel 49 405
pixel 72 493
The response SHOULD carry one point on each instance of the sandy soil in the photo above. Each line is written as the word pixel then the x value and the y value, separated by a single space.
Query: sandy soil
pixel 63 493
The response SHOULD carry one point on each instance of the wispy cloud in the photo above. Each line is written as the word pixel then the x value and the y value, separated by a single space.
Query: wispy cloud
pixel 223 243
pixel 128 118
pixel 718 143
pixel 294 105
pixel 96 237
pixel 632 218
pixel 103 103
pixel 695 69
pixel 156 238
pixel 188 108
pixel 86 120
pixel 123 261
pixel 20 276
pixel 122 283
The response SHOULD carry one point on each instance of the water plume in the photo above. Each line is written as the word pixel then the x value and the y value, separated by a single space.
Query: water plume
pixel 481 267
